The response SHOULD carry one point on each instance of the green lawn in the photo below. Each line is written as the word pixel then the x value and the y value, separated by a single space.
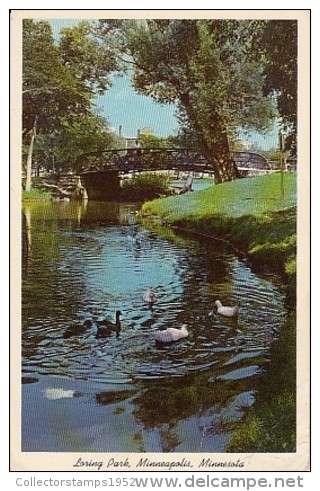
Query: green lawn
pixel 250 196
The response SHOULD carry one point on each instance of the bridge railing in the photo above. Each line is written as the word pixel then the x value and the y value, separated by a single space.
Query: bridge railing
pixel 251 160
pixel 139 159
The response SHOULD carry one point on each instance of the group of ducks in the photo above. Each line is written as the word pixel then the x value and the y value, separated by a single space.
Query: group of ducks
pixel 105 327
pixel 172 334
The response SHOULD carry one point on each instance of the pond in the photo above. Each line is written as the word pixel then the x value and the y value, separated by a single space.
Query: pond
pixel 123 392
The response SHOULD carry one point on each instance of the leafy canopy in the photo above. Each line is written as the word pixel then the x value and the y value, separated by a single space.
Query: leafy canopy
pixel 209 68
pixel 60 80
pixel 280 44
pixel 60 150
pixel 50 90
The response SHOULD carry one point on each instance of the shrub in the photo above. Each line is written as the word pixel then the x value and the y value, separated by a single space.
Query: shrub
pixel 146 185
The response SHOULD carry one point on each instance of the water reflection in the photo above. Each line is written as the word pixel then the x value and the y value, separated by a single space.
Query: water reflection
pixel 84 261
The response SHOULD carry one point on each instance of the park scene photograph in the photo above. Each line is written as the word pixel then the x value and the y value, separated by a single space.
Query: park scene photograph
pixel 159 169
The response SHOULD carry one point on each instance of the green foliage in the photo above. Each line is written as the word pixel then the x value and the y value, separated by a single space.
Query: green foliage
pixel 146 185
pixel 89 60
pixel 275 154
pixel 279 42
pixel 271 429
pixel 273 253
pixel 152 141
pixel 36 194
pixel 50 89
pixel 209 68
pixel 291 265
pixel 59 82
pixel 60 150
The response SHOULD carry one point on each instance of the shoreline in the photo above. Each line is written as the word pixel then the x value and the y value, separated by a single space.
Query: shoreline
pixel 267 241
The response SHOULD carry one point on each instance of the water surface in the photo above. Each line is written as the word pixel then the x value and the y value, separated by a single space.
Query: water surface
pixel 123 392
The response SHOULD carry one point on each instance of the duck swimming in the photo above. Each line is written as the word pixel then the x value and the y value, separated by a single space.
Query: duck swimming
pixel 150 297
pixel 77 329
pixel 171 334
pixel 105 327
pixel 226 311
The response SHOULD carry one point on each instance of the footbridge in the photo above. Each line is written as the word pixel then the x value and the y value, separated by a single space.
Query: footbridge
pixel 102 171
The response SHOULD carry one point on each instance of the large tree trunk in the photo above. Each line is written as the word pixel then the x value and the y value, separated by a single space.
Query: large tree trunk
pixel 29 159
pixel 228 169
pixel 213 140
pixel 218 154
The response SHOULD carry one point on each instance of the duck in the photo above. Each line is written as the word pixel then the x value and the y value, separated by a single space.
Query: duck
pixel 105 327
pixel 171 334
pixel 226 311
pixel 77 329
pixel 149 296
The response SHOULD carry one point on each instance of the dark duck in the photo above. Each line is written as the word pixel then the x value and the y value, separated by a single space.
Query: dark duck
pixel 106 327
pixel 77 329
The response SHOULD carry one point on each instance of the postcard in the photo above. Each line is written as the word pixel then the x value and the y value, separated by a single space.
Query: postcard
pixel 160 252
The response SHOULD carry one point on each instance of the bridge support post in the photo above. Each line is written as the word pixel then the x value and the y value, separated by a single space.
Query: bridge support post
pixel 101 186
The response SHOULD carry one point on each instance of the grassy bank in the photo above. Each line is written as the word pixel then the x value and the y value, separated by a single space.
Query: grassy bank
pixel 270 424
pixel 252 215
pixel 249 213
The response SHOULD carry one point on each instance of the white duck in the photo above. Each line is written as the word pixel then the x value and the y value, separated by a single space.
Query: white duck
pixel 149 296
pixel 171 334
pixel 226 311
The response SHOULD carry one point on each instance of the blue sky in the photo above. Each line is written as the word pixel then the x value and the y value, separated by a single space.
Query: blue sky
pixel 120 105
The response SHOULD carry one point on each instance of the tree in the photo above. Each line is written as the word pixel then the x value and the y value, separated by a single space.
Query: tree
pixel 89 60
pixel 60 150
pixel 209 69
pixel 153 141
pixel 279 43
pixel 60 81
pixel 275 154
pixel 50 90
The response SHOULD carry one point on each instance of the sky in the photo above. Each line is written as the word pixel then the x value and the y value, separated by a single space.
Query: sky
pixel 121 106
